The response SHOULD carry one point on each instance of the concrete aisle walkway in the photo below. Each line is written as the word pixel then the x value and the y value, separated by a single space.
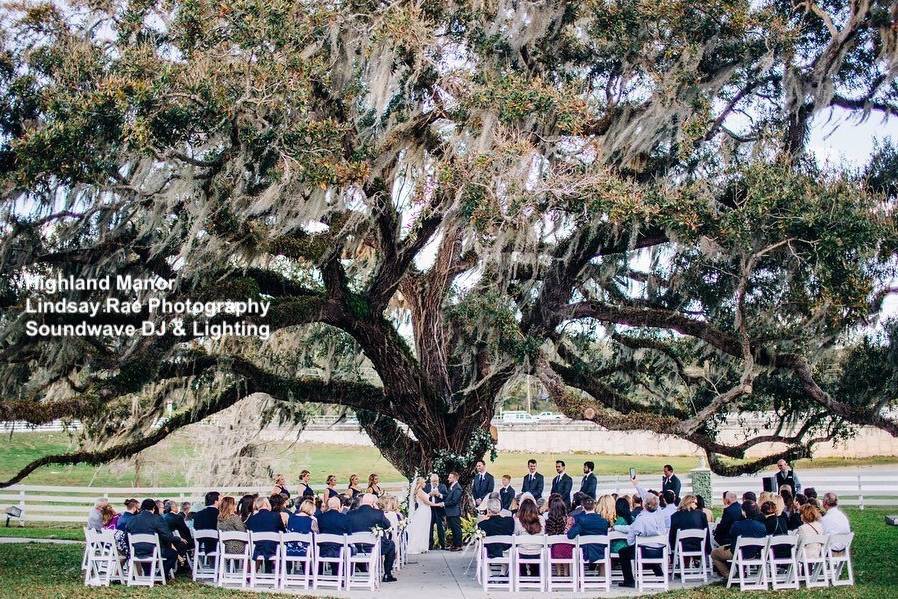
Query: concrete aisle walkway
pixel 445 575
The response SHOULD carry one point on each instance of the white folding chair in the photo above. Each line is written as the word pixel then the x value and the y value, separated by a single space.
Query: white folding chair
pixel 232 568
pixel 87 538
pixel 403 536
pixel 558 581
pixel 367 553
pixel 590 579
pixel 742 567
pixel 503 562
pixel 616 535
pixel 683 560
pixel 153 561
pixel 205 562
pixel 652 581
pixel 296 570
pixel 526 557
pixel 104 563
pixel 395 535
pixel 840 561
pixel 259 579
pixel 813 569
pixel 784 569
pixel 320 577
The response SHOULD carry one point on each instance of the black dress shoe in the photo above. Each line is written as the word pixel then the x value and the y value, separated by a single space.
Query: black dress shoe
pixel 628 584
pixel 389 578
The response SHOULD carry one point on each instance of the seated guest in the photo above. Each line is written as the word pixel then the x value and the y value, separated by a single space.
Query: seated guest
pixel 304 489
pixel 506 492
pixel 670 505
pixel 622 522
pixel 280 486
pixel 834 521
pixel 496 525
pixel 330 489
pixel 811 525
pixel 264 520
pixel 147 522
pixel 175 522
pixel 110 518
pixel 390 507
pixel 332 521
pixel 131 507
pixel 158 509
pixel 374 485
pixel 528 522
pixel 775 525
pixel 302 521
pixel 576 503
pixel 279 507
pixel 185 511
pixel 229 521
pixel 750 526
pixel 700 505
pixel 689 517
pixel 207 519
pixel 559 523
pixel 245 506
pixel 589 523
pixel 650 523
pixel 637 505
pixel 366 517
pixel 353 489
pixel 95 515
pixel 732 513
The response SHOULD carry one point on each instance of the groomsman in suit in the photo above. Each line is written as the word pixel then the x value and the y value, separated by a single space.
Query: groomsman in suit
pixel 452 505
pixel 437 492
pixel 562 484
pixel 533 480
pixel 670 482
pixel 484 483
pixel 589 483
pixel 506 493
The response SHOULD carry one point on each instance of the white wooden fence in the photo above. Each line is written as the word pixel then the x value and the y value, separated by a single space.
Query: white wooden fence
pixel 45 503
pixel 41 503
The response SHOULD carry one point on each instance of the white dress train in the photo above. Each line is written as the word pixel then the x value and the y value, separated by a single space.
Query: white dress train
pixel 419 528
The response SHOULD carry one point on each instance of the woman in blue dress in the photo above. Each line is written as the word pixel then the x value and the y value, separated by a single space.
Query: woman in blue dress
pixel 303 520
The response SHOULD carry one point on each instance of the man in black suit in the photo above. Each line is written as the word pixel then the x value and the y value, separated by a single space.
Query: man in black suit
pixel 437 491
pixel 506 492
pixel 562 484
pixel 452 504
pixel 483 482
pixel 207 519
pixel 590 523
pixel 332 521
pixel 749 527
pixel 496 525
pixel 366 517
pixel 670 482
pixel 533 480
pixel 175 522
pixel 589 484
pixel 145 522
pixel 732 513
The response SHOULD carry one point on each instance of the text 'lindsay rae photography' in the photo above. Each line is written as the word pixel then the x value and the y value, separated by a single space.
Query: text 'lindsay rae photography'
pixel 132 309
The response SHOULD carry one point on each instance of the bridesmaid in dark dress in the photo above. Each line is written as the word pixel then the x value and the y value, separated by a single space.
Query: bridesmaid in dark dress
pixel 374 485
pixel 353 489
pixel 305 491
pixel 331 489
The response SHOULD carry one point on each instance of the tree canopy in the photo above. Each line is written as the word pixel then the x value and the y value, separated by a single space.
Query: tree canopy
pixel 438 197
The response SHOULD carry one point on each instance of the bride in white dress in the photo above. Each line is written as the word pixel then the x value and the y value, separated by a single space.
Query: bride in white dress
pixel 419 520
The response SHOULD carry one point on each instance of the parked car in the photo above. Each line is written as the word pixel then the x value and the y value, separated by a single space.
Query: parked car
pixel 513 416
pixel 549 416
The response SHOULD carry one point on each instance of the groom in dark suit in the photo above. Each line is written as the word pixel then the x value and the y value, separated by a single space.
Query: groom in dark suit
pixel 452 503
pixel 437 491
pixel 484 483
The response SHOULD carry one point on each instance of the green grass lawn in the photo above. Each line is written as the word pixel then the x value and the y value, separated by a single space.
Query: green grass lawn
pixel 175 462
pixel 41 570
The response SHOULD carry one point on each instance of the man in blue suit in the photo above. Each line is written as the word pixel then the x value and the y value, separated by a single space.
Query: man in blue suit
pixel 732 513
pixel 452 504
pixel 366 517
pixel 332 522
pixel 589 484
pixel 749 527
pixel 145 522
pixel 484 483
pixel 207 519
pixel 533 480
pixel 562 484
pixel 589 523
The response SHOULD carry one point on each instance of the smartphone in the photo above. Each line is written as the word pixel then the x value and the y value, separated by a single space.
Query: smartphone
pixel 632 473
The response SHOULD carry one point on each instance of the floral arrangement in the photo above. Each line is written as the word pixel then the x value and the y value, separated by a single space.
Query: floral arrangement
pixel 377 531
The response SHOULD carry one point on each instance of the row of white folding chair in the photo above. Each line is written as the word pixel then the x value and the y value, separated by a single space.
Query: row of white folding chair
pixel 240 569
pixel 102 563
pixel 796 565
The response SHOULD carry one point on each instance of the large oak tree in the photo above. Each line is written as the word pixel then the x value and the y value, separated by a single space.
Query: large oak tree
pixel 613 196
